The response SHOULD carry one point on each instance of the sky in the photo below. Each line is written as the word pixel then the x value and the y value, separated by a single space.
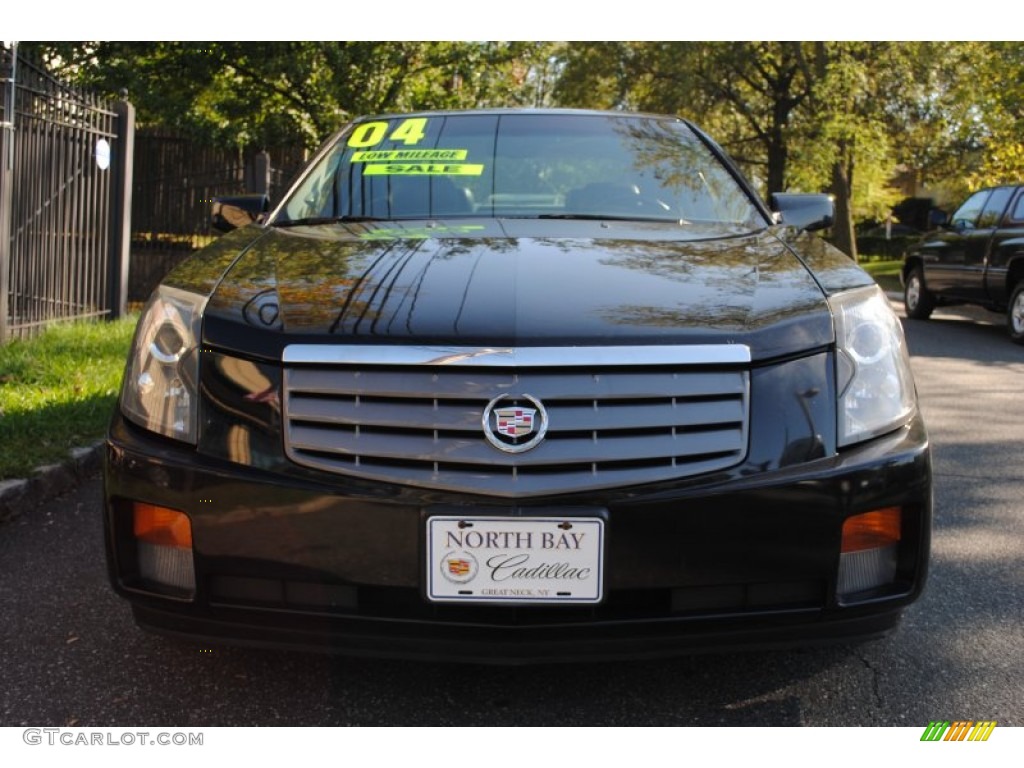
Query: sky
pixel 515 20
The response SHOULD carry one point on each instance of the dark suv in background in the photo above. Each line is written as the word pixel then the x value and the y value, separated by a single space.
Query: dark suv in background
pixel 976 258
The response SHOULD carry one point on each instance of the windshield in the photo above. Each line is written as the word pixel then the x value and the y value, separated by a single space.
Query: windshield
pixel 536 165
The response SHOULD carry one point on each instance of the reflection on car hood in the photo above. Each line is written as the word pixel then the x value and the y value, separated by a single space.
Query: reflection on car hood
pixel 515 283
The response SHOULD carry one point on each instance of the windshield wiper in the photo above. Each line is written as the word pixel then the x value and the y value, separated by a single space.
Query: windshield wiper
pixel 605 217
pixel 312 221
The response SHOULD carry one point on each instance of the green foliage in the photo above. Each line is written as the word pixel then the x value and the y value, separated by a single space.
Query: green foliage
pixel 843 117
pixel 744 93
pixel 269 93
pixel 999 106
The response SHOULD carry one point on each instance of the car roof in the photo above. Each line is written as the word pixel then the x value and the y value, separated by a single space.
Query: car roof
pixel 517 111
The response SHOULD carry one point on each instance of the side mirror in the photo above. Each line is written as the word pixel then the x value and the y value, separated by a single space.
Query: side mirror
pixel 236 211
pixel 808 212
pixel 938 218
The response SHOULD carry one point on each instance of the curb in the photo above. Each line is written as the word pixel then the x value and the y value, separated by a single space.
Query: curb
pixel 49 481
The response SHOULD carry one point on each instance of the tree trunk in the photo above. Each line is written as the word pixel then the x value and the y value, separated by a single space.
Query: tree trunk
pixel 778 155
pixel 842 183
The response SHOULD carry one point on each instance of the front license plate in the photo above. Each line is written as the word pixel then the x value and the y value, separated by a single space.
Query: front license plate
pixel 515 559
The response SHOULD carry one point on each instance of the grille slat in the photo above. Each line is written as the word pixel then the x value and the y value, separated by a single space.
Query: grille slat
pixel 449 382
pixel 565 417
pixel 607 426
pixel 406 414
pixel 413 447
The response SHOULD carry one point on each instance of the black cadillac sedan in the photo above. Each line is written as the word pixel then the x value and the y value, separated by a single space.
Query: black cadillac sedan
pixel 519 386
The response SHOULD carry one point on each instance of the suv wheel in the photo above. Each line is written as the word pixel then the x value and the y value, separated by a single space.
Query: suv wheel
pixel 918 302
pixel 1015 314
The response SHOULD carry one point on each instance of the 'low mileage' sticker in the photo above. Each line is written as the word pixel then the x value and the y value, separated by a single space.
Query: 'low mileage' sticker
pixel 408 155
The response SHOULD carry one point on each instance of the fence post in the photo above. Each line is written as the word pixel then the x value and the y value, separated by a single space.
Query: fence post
pixel 121 210
pixel 8 79
pixel 259 181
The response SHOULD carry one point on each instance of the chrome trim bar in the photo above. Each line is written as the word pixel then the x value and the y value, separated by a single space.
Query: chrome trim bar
pixel 517 357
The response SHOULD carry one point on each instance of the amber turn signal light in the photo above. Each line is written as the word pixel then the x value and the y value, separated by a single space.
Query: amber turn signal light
pixel 161 526
pixel 872 530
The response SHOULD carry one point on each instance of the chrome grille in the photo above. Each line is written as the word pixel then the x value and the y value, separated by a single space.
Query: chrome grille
pixel 615 417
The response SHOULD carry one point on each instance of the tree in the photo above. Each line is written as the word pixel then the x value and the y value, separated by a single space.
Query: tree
pixel 266 93
pixel 745 93
pixel 996 92
pixel 932 115
pixel 810 115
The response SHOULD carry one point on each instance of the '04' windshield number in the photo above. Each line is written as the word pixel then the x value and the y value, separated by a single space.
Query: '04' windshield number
pixel 410 132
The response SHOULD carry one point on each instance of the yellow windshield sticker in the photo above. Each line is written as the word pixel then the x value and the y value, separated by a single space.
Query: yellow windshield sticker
pixel 408 155
pixel 410 132
pixel 423 169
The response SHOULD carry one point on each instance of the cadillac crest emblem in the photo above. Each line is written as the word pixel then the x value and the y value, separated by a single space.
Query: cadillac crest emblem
pixel 515 423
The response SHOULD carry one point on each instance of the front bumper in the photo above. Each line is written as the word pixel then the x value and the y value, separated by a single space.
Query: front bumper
pixel 310 561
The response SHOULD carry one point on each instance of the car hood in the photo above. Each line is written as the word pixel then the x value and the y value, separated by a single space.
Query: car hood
pixel 514 283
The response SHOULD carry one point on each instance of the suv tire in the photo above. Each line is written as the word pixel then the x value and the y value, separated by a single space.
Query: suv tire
pixel 1015 314
pixel 917 301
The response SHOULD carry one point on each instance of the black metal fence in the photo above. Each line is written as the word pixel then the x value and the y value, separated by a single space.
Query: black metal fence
pixel 176 178
pixel 92 216
pixel 65 196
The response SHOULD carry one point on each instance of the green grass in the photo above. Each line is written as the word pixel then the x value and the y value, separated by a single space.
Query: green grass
pixel 58 390
pixel 886 272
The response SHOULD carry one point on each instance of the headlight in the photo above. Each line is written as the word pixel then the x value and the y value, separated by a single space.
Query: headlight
pixel 160 382
pixel 876 388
